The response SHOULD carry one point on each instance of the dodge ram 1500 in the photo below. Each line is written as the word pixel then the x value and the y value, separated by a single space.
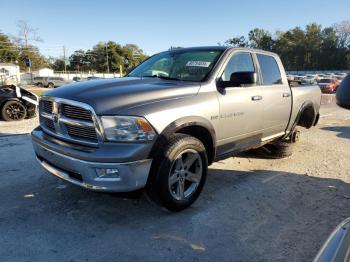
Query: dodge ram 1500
pixel 160 127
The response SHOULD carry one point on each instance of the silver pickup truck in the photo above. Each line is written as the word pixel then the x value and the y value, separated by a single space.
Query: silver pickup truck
pixel 160 127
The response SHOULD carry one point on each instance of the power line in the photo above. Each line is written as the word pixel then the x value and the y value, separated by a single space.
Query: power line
pixel 20 47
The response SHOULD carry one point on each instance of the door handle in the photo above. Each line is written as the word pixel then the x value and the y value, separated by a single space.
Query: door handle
pixel 256 98
pixel 286 95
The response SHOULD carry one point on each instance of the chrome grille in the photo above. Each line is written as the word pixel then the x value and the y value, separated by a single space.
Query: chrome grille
pixel 70 120
pixel 46 106
pixel 81 132
pixel 48 123
pixel 76 112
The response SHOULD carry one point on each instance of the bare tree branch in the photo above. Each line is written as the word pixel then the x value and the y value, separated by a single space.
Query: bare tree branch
pixel 26 34
pixel 343 31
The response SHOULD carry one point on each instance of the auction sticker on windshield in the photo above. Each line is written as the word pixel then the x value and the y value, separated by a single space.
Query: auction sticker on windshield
pixel 198 63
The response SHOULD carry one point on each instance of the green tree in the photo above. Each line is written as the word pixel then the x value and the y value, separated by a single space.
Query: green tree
pixel 32 53
pixel 58 65
pixel 261 39
pixel 312 48
pixel 9 52
pixel 290 45
pixel 330 57
pixel 107 56
pixel 133 56
pixel 78 61
pixel 313 41
pixel 238 41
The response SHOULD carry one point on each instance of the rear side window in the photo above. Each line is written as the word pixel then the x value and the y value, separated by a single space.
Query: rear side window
pixel 270 71
pixel 239 62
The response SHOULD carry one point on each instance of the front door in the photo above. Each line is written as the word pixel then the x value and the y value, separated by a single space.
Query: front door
pixel 240 107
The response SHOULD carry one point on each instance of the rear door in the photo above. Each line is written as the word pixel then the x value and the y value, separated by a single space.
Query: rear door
pixel 277 97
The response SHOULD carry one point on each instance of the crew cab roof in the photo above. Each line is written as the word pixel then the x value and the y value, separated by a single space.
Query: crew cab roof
pixel 221 48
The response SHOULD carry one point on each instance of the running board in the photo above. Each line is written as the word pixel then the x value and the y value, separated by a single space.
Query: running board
pixel 273 136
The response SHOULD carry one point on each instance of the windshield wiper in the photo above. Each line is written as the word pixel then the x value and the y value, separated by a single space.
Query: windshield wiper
pixel 162 77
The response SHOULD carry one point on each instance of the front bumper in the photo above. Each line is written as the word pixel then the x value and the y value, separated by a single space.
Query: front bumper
pixel 130 176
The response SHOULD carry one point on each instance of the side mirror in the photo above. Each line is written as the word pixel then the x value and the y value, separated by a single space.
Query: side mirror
pixel 238 79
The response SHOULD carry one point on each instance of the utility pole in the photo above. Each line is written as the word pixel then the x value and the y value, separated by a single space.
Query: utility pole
pixel 107 58
pixel 64 59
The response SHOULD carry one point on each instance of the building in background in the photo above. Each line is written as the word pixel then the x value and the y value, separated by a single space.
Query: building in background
pixel 45 72
pixel 9 71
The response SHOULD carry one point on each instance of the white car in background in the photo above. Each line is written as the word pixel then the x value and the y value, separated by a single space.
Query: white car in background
pixel 50 82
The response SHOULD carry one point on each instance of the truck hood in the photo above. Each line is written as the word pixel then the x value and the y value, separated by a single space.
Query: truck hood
pixel 109 96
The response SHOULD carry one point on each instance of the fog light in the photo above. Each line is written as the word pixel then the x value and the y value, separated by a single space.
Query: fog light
pixel 107 174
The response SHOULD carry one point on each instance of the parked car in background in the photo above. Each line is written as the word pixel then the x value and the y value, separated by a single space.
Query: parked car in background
pixel 320 76
pixel 340 74
pixel 290 77
pixel 309 80
pixel 39 81
pixel 17 103
pixel 50 82
pixel 77 79
pixel 328 85
pixel 298 77
pixel 339 78
pixel 93 78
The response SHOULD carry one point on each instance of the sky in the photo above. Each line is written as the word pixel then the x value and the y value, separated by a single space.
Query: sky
pixel 155 25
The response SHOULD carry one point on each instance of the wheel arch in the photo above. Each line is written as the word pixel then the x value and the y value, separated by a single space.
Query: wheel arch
pixel 4 101
pixel 197 127
pixel 307 115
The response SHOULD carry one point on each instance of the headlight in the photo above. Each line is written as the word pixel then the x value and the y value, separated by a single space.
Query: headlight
pixel 127 128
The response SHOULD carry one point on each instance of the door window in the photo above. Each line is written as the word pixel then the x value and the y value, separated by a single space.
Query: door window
pixel 270 71
pixel 239 62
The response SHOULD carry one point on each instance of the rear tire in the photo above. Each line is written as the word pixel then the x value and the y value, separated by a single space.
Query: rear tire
pixel 50 85
pixel 178 173
pixel 13 111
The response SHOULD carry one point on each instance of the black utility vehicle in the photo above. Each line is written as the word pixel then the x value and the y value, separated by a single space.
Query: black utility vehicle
pixel 17 103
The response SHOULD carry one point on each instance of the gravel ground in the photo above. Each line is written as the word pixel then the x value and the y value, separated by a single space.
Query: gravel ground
pixel 251 209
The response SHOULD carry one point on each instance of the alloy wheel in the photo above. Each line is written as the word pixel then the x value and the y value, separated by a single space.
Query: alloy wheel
pixel 185 174
pixel 15 111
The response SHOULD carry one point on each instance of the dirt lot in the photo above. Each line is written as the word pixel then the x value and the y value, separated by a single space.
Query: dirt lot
pixel 251 209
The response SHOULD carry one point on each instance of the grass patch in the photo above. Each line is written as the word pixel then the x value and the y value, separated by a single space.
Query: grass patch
pixel 38 91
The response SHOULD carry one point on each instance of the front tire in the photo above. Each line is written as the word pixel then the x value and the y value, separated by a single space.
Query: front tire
pixel 178 173
pixel 13 111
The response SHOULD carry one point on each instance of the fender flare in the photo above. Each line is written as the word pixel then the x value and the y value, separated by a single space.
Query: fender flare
pixel 11 99
pixel 182 123
pixel 307 104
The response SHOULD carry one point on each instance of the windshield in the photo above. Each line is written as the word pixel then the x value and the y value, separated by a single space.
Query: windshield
pixel 325 81
pixel 185 65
